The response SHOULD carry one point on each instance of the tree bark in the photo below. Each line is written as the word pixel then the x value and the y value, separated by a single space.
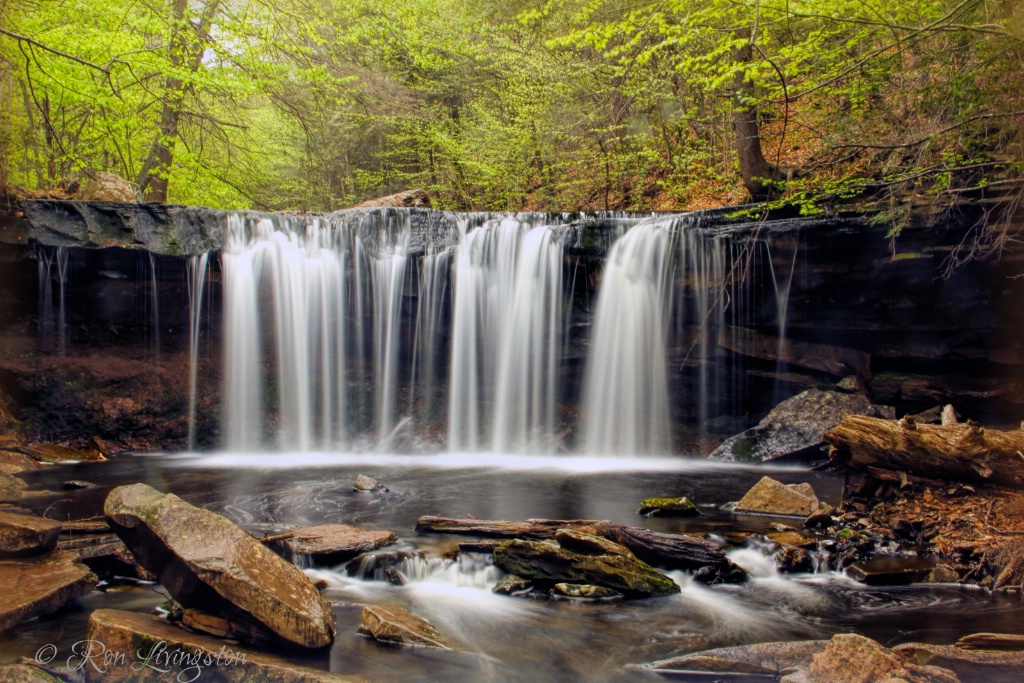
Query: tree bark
pixel 755 170
pixel 958 452
pixel 673 551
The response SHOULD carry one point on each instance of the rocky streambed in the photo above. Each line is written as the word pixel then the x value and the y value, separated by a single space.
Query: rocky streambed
pixel 500 568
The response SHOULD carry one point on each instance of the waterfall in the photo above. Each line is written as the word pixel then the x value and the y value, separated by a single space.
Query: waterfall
pixel 626 391
pixel 196 281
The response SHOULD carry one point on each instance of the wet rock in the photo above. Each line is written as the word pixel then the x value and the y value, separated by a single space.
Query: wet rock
pixel 849 658
pixel 206 561
pixel 820 520
pixel 723 573
pixel 891 571
pixel 25 673
pixel 40 585
pixel 11 488
pixel 584 591
pixel 374 566
pixel 391 624
pixel 394 577
pixel 27 534
pixel 485 547
pixel 510 584
pixel 794 561
pixel 103 186
pixel 334 543
pixel 220 627
pixel 667 507
pixel 969 665
pixel 943 574
pixel 84 526
pixel 131 633
pixel 12 462
pixel 101 446
pixel 795 427
pixel 52 452
pixel 772 497
pixel 791 538
pixel 365 484
pixel 1011 642
pixel 771 659
pixel 587 559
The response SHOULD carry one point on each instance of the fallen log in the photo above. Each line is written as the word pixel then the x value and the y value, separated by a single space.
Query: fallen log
pixel 963 452
pixel 672 551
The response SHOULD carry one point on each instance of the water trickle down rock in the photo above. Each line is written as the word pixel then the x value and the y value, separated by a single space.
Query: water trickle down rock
pixel 208 562
pixel 796 426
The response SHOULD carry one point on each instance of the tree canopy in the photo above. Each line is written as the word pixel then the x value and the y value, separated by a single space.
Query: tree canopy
pixel 529 104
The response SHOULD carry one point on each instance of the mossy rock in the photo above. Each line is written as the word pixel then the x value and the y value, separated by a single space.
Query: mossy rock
pixel 668 507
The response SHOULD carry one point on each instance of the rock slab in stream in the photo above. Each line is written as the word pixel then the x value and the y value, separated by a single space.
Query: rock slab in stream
pixel 27 534
pixel 850 658
pixel 770 659
pixel 55 453
pixel 796 426
pixel 668 507
pixel 584 591
pixel 333 543
pixel 969 665
pixel 391 624
pixel 185 655
pixel 208 562
pixel 772 497
pixel 582 558
pixel 40 585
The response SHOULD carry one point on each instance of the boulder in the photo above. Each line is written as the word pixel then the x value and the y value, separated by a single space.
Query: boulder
pixel 27 534
pixel 208 562
pixel 26 673
pixel 969 665
pixel 791 538
pixel 365 484
pixel 584 591
pixel 12 462
pixel 849 658
pixel 131 647
pixel 103 186
pixel 416 198
pixel 510 584
pixel 668 507
pixel 795 427
pixel 391 624
pixel 582 558
pixel 52 452
pixel 334 543
pixel 771 659
pixel 772 497
pixel 40 585
pixel 11 488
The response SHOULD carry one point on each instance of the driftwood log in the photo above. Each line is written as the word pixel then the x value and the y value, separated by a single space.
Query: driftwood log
pixel 672 551
pixel 963 452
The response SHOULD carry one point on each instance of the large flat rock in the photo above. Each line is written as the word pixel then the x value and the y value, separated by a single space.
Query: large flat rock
pixel 208 562
pixel 392 624
pixel 332 543
pixel 27 534
pixel 140 645
pixel 40 585
pixel 969 665
pixel 770 659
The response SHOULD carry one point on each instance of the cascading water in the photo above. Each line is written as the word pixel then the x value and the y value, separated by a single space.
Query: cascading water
pixel 626 394
pixel 196 281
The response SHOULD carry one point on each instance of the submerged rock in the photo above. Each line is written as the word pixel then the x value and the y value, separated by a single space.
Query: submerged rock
pixel 583 558
pixel 584 591
pixel 208 562
pixel 365 484
pixel 40 585
pixel 668 507
pixel 391 624
pixel 795 427
pixel 770 659
pixel 772 497
pixel 27 534
pixel 141 636
pixel 850 658
pixel 334 543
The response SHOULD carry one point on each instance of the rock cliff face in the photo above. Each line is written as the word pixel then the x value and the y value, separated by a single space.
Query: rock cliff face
pixel 94 318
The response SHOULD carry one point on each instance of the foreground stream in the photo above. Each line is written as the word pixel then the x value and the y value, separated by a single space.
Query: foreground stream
pixel 516 639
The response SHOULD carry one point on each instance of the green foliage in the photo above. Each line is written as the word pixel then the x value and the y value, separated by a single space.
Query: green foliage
pixel 530 104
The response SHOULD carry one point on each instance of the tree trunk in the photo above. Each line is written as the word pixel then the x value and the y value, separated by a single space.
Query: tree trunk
pixel 755 170
pixel 186 48
pixel 957 452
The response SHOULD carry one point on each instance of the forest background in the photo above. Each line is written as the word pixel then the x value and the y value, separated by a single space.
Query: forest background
pixel 516 105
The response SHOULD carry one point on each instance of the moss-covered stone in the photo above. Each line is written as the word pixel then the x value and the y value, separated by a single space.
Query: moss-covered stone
pixel 510 584
pixel 668 507
pixel 584 591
